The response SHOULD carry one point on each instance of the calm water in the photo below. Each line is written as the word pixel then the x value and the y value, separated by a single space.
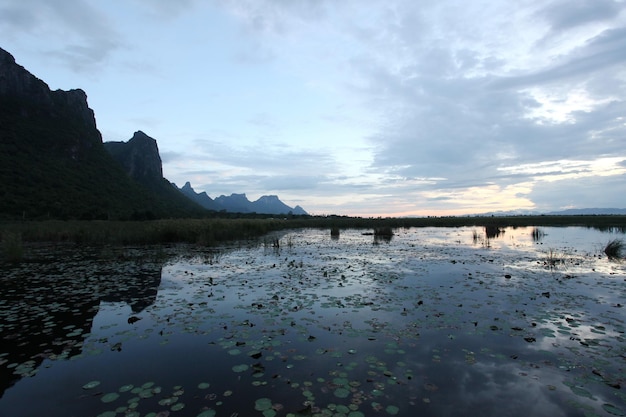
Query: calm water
pixel 435 322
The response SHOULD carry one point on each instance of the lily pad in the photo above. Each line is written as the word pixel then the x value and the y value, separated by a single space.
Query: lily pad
pixel 207 413
pixel 263 404
pixel 91 385
pixel 341 393
pixel 611 409
pixel 240 368
pixel 110 397
pixel 178 407
pixel 392 409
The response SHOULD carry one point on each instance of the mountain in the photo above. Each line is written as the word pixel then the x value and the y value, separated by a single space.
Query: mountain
pixel 200 198
pixel 272 205
pixel 589 212
pixel 53 163
pixel 568 212
pixel 140 159
pixel 239 203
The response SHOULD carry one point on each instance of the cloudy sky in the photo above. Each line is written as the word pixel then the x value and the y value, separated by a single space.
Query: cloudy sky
pixel 356 107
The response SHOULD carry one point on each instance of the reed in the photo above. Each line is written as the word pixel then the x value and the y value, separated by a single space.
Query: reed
pixel 12 247
pixel 614 249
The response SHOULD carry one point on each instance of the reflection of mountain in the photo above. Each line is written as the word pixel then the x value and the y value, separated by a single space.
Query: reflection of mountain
pixel 47 310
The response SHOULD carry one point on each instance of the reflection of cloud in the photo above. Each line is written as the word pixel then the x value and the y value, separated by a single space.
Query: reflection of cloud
pixel 484 387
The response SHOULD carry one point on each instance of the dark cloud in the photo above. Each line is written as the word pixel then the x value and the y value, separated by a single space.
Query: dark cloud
pixel 600 54
pixel 567 14
pixel 604 192
pixel 84 34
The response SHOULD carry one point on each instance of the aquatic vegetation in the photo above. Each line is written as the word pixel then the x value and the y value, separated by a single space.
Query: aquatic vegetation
pixel 12 247
pixel 493 231
pixel 615 248
pixel 537 234
pixel 326 328
pixel 385 231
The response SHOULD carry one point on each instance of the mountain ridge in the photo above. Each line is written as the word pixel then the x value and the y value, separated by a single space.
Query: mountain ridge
pixel 52 160
pixel 239 203
pixel 54 163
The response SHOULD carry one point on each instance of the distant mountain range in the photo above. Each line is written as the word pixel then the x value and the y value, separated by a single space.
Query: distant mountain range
pixel 54 164
pixel 568 212
pixel 239 203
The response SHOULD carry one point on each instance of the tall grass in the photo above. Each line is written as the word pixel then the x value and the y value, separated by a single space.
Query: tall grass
pixel 12 248
pixel 208 232
pixel 614 249
pixel 537 234
pixel 213 231
pixel 384 231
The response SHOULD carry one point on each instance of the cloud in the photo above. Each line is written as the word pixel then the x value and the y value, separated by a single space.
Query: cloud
pixel 276 16
pixel 598 55
pixel 396 106
pixel 85 33
pixel 168 10
pixel 603 192
pixel 564 15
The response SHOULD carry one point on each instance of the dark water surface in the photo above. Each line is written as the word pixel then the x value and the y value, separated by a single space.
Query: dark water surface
pixel 435 322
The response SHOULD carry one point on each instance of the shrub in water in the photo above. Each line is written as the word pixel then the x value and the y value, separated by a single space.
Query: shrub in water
pixel 614 248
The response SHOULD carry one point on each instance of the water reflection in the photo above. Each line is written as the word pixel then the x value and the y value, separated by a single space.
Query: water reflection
pixel 493 232
pixel 426 324
pixel 537 234
pixel 47 309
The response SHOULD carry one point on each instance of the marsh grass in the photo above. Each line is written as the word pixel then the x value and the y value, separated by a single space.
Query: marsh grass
pixel 614 249
pixel 475 236
pixel 385 231
pixel 215 231
pixel 334 231
pixel 537 234
pixel 12 247
pixel 554 259
pixel 493 231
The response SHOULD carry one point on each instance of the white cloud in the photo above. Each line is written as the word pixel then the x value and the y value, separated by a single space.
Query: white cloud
pixel 350 107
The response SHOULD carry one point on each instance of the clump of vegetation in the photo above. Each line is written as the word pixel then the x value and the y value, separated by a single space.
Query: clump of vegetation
pixel 384 231
pixel 475 236
pixel 537 234
pixel 553 258
pixel 614 249
pixel 12 247
pixel 334 231
pixel 493 231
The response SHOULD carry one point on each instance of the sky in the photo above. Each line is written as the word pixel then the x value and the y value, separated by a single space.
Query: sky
pixel 354 107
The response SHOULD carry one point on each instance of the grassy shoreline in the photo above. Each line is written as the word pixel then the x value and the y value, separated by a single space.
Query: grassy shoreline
pixel 211 232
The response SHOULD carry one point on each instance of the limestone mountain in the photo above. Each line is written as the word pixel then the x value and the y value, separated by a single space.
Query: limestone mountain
pixel 140 159
pixel 201 198
pixel 52 160
pixel 239 203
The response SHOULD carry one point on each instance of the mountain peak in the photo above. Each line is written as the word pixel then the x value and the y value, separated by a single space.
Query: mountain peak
pixel 139 157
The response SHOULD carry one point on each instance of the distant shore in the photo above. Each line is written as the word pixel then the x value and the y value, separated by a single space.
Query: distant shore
pixel 212 232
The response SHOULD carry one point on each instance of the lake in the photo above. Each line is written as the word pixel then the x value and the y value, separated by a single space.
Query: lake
pixel 432 322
